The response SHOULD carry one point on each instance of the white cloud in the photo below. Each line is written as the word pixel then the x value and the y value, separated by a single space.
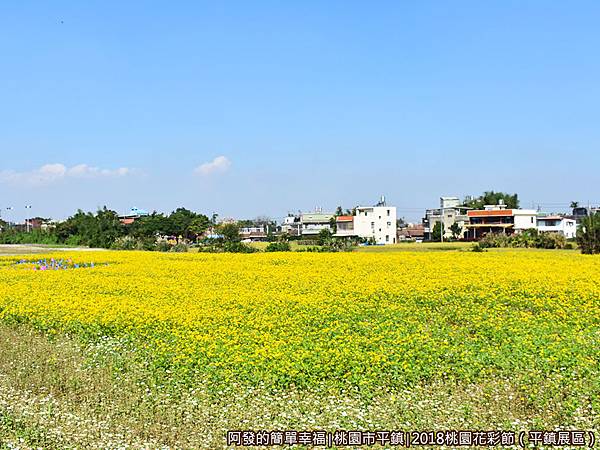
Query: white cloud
pixel 49 173
pixel 218 165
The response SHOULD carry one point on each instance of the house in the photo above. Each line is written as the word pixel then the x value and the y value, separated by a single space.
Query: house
pixel 254 234
pixel 344 226
pixel 311 224
pixel 499 219
pixel 558 224
pixel 292 225
pixel 376 222
pixel 132 216
pixel 450 211
pixel 581 211
pixel 411 232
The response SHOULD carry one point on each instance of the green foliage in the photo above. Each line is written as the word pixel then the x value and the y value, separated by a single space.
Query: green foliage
pixel 477 248
pixel 125 243
pixel 229 231
pixel 588 234
pixel 99 230
pixel 11 236
pixel 456 230
pixel 338 245
pixel 238 247
pixel 436 233
pixel 333 225
pixel 324 236
pixel 180 248
pixel 531 238
pixel 493 198
pixel 278 247
pixel 163 246
pixel 104 229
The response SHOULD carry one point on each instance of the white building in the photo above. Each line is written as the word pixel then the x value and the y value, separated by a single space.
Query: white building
pixel 499 219
pixel 311 224
pixel 558 224
pixel 291 225
pixel 378 222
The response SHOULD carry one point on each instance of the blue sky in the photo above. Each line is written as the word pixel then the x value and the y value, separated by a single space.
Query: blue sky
pixel 252 108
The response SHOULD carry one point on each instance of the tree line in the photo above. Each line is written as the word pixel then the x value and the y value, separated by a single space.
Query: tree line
pixel 104 229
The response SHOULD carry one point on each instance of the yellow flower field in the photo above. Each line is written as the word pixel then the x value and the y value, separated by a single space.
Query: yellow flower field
pixel 341 319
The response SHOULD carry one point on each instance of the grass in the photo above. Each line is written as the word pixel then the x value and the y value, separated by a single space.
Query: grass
pixel 417 247
pixel 31 249
pixel 293 245
pixel 55 395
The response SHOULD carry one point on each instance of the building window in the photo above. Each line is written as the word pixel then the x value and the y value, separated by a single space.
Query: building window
pixel 372 224
pixel 389 224
pixel 387 238
pixel 388 212
pixel 532 220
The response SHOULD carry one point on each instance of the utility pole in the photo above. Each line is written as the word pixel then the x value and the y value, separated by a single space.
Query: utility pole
pixel 8 208
pixel 27 221
pixel 441 223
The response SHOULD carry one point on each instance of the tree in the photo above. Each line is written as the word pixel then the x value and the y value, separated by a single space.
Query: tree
pixel 229 231
pixel 108 229
pixel 333 225
pixel 456 230
pixel 179 221
pixel 588 234
pixel 339 211
pixel 324 236
pixel 493 198
pixel 436 233
pixel 574 204
pixel 148 227
pixel 99 230
pixel 198 225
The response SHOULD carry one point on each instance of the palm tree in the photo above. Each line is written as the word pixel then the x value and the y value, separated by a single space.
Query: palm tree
pixel 574 205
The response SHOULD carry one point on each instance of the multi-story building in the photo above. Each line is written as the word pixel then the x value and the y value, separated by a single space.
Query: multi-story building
pixel 344 226
pixel 450 211
pixel 558 224
pixel 377 222
pixel 311 224
pixel 499 219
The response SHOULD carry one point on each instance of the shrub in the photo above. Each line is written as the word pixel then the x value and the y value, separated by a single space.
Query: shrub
pixel 163 246
pixel 278 247
pixel 494 240
pixel 124 243
pixel 179 248
pixel 478 248
pixel 238 247
pixel 527 239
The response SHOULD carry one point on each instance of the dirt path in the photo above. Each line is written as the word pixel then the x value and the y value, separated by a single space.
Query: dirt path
pixel 26 249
